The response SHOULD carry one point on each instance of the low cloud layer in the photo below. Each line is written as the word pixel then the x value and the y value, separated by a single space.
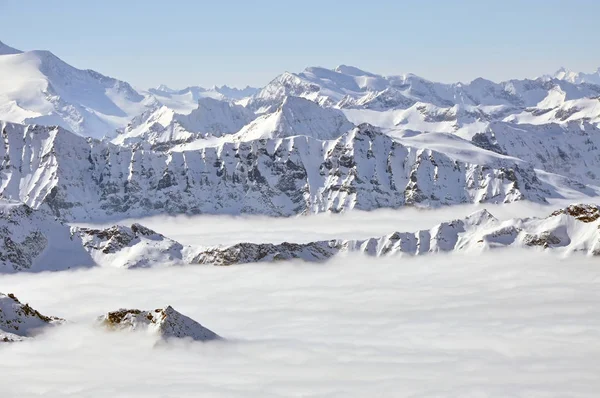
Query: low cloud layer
pixel 208 230
pixel 510 323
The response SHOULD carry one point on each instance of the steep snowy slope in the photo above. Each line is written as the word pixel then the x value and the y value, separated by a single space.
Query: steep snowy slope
pixel 414 103
pixel 32 240
pixel 163 128
pixel 297 116
pixel 365 169
pixel 569 149
pixel 38 87
pixel 19 321
pixel 573 229
pixel 165 323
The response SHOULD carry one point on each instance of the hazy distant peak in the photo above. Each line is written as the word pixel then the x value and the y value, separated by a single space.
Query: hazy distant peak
pixel 352 71
pixel 6 50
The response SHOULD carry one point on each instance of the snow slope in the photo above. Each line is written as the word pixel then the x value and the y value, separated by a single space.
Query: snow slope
pixel 163 128
pixel 185 100
pixel 33 241
pixel 297 117
pixel 19 321
pixel 578 77
pixel 79 179
pixel 38 87
pixel 569 149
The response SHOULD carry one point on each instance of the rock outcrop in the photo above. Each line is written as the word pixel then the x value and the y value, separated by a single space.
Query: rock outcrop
pixel 163 322
pixel 20 321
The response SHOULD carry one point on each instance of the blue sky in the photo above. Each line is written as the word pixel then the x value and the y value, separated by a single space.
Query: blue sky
pixel 185 42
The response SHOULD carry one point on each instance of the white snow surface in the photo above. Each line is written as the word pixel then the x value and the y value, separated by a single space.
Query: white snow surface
pixel 297 117
pixel 38 87
pixel 578 77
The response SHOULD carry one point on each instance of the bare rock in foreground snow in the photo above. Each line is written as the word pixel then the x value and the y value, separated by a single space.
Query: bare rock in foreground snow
pixel 19 321
pixel 164 322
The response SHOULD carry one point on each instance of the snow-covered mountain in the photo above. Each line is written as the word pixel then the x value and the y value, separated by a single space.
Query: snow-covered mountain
pixel 570 230
pixel 575 228
pixel 185 100
pixel 351 87
pixel 413 103
pixel 569 149
pixel 130 247
pixel 294 117
pixel 76 178
pixel 164 128
pixel 38 87
pixel 34 240
pixel 7 50
pixel 164 323
pixel 578 77
pixel 19 321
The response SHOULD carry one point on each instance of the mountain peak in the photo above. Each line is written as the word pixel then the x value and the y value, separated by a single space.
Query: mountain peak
pixel 165 322
pixel 7 50
pixel 352 71
pixel 18 321
pixel 165 88
pixel 298 116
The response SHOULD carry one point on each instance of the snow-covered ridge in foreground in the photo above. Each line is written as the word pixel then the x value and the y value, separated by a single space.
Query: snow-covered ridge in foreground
pixel 364 169
pixel 165 323
pixel 19 321
pixel 569 230
pixel 33 240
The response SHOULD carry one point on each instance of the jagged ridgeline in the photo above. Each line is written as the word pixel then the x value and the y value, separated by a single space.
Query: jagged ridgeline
pixel 77 178
pixel 32 241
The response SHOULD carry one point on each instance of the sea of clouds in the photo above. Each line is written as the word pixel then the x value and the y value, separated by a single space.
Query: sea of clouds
pixel 207 230
pixel 510 323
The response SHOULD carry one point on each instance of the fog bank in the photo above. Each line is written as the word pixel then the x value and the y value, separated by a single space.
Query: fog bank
pixel 508 323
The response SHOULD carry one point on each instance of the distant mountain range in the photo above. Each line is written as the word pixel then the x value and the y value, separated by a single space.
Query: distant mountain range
pixel 314 141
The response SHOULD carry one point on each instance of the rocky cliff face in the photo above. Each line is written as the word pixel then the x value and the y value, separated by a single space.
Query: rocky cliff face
pixel 569 149
pixel 78 178
pixel 34 240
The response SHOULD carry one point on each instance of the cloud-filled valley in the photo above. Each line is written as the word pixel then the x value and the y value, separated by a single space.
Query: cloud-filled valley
pixel 334 233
